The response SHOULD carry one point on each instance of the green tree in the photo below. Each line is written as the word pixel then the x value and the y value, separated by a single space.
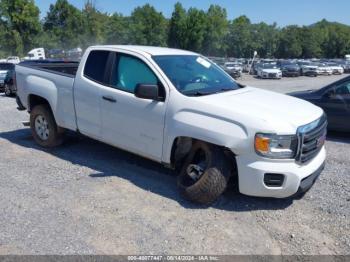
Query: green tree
pixel 290 43
pixel 335 40
pixel 148 27
pixel 177 27
pixel 311 42
pixel 239 39
pixel 265 39
pixel 94 23
pixel 20 21
pixel 64 25
pixel 117 30
pixel 215 31
pixel 195 30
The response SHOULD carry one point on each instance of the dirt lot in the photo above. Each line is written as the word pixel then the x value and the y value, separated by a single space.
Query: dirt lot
pixel 89 198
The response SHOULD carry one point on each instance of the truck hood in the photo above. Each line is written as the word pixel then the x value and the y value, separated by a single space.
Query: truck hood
pixel 278 112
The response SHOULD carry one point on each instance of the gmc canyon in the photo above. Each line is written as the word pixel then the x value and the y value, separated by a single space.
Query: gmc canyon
pixel 182 110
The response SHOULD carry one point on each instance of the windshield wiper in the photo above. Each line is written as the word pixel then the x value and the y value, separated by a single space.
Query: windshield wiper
pixel 198 93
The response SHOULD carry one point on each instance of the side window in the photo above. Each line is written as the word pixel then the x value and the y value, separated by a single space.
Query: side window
pixel 343 90
pixel 130 71
pixel 95 66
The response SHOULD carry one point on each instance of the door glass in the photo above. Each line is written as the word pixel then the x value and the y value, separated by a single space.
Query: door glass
pixel 343 90
pixel 95 66
pixel 131 71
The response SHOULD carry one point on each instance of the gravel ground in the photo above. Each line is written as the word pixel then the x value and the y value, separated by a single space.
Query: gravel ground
pixel 89 198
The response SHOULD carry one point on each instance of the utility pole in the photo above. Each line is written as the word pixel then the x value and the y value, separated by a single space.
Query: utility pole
pixel 250 68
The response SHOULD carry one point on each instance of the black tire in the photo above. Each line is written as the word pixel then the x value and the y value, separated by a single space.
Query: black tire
pixel 213 182
pixel 55 136
pixel 7 91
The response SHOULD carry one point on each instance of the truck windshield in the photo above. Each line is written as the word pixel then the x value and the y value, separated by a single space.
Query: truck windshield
pixel 195 75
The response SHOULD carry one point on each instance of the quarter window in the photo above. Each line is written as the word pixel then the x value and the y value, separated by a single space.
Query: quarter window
pixel 96 64
pixel 130 71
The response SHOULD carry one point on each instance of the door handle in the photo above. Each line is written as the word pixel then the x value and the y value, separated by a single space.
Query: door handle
pixel 109 99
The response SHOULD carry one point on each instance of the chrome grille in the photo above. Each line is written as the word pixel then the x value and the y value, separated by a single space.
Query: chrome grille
pixel 311 139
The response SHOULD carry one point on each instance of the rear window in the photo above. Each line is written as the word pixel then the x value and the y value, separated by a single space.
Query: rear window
pixel 95 66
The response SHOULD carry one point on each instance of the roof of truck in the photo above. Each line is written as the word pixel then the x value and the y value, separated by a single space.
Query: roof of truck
pixel 152 50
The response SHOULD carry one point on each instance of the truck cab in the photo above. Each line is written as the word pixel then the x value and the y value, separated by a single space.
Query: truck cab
pixel 180 109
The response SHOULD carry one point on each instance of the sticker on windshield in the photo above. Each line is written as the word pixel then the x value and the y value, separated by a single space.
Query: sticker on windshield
pixel 203 62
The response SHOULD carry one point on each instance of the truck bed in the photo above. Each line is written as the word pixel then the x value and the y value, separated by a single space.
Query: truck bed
pixel 54 81
pixel 66 68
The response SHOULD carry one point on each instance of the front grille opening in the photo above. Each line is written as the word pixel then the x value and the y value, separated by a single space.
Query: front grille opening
pixel 273 180
pixel 312 141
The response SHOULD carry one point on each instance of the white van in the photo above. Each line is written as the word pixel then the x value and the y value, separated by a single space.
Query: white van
pixel 13 60
pixel 36 54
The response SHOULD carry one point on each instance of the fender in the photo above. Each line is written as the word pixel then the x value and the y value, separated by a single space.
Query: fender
pixel 213 129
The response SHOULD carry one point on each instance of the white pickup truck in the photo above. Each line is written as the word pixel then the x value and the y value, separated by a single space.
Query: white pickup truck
pixel 179 109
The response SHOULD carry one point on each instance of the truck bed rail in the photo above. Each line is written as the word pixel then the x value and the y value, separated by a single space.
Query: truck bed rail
pixel 64 68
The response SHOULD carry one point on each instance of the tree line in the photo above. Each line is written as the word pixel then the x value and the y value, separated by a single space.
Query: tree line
pixel 208 32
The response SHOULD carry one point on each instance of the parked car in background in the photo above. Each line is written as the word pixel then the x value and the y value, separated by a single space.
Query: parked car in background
pixel 4 68
pixel 289 69
pixel 309 69
pixel 234 69
pixel 336 68
pixel 13 60
pixel 334 99
pixel 269 70
pixel 253 67
pixel 9 85
pixel 247 64
pixel 180 109
pixel 74 54
pixel 346 66
pixel 324 69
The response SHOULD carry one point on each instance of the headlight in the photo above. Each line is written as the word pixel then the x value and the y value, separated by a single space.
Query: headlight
pixel 276 146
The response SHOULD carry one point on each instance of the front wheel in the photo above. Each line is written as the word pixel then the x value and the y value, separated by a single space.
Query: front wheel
pixel 205 174
pixel 44 128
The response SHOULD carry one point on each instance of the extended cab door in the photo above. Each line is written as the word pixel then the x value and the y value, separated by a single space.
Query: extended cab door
pixel 128 122
pixel 87 93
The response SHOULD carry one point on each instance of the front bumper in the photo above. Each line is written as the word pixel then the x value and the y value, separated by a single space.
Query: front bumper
pixel 309 181
pixel 297 177
pixel 271 76
pixel 290 73
pixel 325 73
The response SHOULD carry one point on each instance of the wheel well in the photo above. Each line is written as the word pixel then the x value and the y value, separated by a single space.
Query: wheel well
pixel 34 100
pixel 182 146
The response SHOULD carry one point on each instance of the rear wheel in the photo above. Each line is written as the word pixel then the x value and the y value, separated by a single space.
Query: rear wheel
pixel 44 128
pixel 205 173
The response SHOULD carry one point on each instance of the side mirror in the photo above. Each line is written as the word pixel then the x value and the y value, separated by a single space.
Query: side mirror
pixel 147 91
